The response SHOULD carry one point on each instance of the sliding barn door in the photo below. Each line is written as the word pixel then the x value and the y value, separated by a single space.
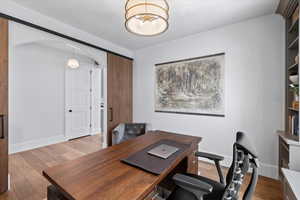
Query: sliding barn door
pixel 3 105
pixel 119 92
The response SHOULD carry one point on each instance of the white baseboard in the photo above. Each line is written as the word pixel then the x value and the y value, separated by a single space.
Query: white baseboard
pixel 95 133
pixel 24 146
pixel 266 170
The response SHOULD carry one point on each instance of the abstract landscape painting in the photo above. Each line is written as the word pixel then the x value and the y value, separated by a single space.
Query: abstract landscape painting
pixel 193 86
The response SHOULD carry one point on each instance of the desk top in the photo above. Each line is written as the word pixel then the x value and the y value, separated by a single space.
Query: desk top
pixel 101 175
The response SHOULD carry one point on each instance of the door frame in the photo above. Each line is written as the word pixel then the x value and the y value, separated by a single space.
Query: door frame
pixel 96 54
pixel 78 41
pixel 72 39
pixel 105 110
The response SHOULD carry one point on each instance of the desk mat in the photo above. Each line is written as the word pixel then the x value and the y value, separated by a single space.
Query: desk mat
pixel 154 164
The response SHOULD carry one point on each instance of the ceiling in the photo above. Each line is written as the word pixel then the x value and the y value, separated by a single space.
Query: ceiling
pixel 105 18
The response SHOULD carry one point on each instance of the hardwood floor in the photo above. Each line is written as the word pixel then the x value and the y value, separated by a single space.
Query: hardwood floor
pixel 27 182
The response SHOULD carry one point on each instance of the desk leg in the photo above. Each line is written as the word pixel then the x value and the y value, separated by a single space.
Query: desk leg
pixel 193 161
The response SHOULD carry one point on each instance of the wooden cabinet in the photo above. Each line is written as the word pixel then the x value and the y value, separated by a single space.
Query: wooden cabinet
pixel 3 105
pixel 119 92
pixel 289 146
pixel 283 159
pixel 289 151
pixel 289 9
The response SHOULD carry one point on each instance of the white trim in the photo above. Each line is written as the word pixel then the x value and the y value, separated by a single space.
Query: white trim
pixel 95 133
pixel 270 171
pixel 24 146
pixel 104 128
pixel 66 128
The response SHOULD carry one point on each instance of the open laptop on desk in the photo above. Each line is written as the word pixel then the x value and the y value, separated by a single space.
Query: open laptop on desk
pixel 163 151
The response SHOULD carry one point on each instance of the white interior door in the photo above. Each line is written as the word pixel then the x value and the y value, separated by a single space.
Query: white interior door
pixel 78 102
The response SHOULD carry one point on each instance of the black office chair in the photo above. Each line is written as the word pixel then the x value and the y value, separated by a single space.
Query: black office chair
pixel 128 131
pixel 194 187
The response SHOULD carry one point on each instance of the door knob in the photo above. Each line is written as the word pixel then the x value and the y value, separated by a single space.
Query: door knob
pixel 70 111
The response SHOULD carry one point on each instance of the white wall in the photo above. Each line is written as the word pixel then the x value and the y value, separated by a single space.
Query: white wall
pixel 11 8
pixel 37 95
pixel 254 87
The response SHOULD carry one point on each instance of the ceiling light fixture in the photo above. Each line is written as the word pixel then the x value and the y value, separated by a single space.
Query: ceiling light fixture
pixel 73 63
pixel 147 17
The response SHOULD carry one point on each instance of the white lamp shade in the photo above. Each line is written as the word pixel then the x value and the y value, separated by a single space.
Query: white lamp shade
pixel 147 17
pixel 73 63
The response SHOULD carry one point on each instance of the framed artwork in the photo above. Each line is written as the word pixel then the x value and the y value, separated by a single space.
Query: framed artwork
pixel 192 86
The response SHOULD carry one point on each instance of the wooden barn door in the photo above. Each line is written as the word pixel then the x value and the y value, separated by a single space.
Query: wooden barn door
pixel 3 105
pixel 119 92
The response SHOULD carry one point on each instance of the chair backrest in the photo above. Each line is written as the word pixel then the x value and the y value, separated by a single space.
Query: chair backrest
pixel 128 131
pixel 135 129
pixel 244 158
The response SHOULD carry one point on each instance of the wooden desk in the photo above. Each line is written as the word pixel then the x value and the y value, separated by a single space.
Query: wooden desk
pixel 101 175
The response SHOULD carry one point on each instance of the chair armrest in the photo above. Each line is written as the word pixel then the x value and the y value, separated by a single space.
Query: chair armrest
pixel 115 131
pixel 193 185
pixel 118 128
pixel 117 134
pixel 209 156
pixel 216 159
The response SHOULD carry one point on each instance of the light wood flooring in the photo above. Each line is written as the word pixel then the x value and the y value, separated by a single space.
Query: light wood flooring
pixel 27 182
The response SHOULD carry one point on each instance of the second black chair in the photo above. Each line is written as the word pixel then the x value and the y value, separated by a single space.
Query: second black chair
pixel 128 131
